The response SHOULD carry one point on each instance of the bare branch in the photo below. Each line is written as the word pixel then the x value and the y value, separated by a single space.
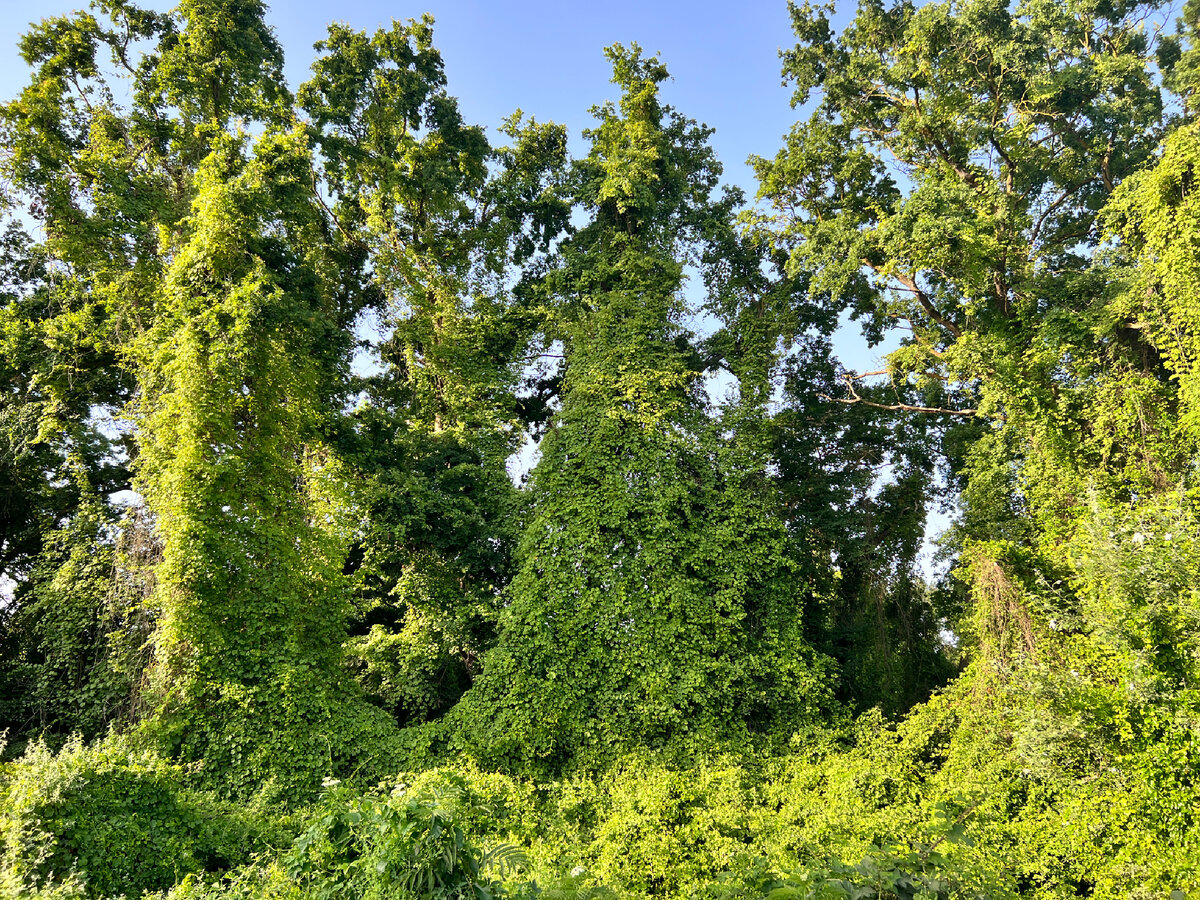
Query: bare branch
pixel 863 375
pixel 336 221
pixel 902 407
pixel 1058 201
pixel 854 398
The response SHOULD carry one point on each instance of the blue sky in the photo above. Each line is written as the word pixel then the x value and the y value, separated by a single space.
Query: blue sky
pixel 546 57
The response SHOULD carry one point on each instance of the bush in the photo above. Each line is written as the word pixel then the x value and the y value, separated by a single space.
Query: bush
pixel 275 741
pixel 395 843
pixel 104 820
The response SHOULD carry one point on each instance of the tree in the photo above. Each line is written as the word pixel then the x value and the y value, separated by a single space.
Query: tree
pixel 441 220
pixel 948 181
pixel 650 606
pixel 61 457
pixel 215 282
pixel 238 375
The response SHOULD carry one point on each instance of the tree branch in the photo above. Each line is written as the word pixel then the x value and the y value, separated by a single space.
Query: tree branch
pixel 854 398
pixel 911 286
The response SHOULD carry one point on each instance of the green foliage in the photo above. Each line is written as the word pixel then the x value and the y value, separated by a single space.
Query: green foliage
pixel 1012 125
pixel 431 559
pixel 58 465
pixel 887 872
pixel 57 369
pixel 856 485
pixel 396 840
pixel 233 379
pixel 237 374
pixel 440 217
pixel 405 171
pixel 397 844
pixel 664 832
pixel 199 267
pixel 650 604
pixel 643 643
pixel 973 796
pixel 224 63
pixel 1153 214
pixel 108 821
pixel 277 739
pixel 71 650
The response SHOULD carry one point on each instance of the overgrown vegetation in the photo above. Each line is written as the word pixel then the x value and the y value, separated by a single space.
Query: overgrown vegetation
pixel 281 626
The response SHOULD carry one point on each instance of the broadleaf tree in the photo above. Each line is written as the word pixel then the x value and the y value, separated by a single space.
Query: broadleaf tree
pixel 651 604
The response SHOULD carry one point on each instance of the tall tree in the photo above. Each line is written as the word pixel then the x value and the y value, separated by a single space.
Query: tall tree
pixel 239 374
pixel 948 182
pixel 650 607
pixel 61 330
pixel 441 219
pixel 216 282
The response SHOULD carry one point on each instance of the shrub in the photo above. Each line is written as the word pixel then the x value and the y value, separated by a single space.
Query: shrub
pixel 395 843
pixel 104 820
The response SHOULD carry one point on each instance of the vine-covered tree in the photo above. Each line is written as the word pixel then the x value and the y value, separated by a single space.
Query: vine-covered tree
pixel 948 182
pixel 215 282
pixel 61 458
pixel 442 221
pixel 650 606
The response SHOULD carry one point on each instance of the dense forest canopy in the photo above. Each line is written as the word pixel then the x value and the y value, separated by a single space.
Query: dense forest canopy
pixel 279 622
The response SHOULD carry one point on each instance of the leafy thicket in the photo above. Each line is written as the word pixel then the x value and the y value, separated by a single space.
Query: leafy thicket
pixel 278 620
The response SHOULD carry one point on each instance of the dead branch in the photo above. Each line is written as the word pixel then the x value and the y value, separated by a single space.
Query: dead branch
pixel 854 398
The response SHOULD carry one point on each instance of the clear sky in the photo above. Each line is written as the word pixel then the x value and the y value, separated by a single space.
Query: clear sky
pixel 545 56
